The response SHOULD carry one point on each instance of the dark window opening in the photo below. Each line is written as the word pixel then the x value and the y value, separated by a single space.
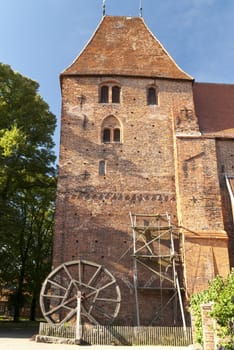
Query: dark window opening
pixel 102 167
pixel 104 98
pixel 152 96
pixel 115 94
pixel 106 135
pixel 116 135
pixel 111 130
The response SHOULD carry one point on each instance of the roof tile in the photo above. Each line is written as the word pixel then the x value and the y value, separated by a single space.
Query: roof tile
pixel 214 105
pixel 125 46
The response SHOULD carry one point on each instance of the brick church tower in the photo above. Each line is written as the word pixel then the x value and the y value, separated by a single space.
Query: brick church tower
pixel 139 189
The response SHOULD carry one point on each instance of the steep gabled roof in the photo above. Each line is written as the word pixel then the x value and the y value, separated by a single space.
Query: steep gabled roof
pixel 125 46
pixel 214 105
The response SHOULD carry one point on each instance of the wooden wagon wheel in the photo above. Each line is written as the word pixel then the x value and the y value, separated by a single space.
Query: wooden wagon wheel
pixel 100 294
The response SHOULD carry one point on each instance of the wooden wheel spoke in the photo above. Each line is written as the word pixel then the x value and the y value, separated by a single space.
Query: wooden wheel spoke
pixel 81 284
pixel 95 275
pixel 79 271
pixel 88 315
pixel 67 291
pixel 56 284
pixel 108 300
pixel 69 315
pixel 87 296
pixel 67 272
pixel 68 301
pixel 91 281
pixel 107 285
pixel 48 296
pixel 53 310
pixel 99 309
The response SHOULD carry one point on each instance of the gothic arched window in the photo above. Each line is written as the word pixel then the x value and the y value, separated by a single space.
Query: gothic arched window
pixel 111 130
pixel 106 135
pixel 116 135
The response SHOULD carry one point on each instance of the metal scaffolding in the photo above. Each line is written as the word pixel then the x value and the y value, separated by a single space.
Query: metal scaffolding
pixel 155 261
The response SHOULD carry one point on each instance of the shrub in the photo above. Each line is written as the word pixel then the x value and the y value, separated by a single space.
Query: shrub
pixel 221 293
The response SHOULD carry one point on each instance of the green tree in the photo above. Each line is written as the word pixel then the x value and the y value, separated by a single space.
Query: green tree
pixel 39 263
pixel 221 293
pixel 26 130
pixel 27 184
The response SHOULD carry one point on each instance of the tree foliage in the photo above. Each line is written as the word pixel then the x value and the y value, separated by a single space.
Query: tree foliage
pixel 27 186
pixel 221 293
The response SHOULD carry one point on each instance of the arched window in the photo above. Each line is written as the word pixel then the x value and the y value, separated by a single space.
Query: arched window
pixel 104 97
pixel 116 137
pixel 106 135
pixel 111 130
pixel 152 98
pixel 109 93
pixel 115 94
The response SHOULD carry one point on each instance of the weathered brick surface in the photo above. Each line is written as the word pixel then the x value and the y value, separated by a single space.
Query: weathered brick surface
pixel 205 247
pixel 205 256
pixel 162 164
pixel 199 184
pixel 225 154
pixel 208 327
pixel 92 215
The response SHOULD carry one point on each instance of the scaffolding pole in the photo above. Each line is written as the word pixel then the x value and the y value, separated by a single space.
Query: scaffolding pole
pixel 148 230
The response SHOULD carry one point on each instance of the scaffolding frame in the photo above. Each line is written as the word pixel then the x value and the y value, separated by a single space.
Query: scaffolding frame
pixel 149 231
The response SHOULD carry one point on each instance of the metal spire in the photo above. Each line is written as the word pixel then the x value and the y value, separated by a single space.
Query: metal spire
pixel 103 7
pixel 140 13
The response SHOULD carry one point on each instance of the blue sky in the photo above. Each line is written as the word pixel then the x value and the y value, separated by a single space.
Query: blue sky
pixel 40 38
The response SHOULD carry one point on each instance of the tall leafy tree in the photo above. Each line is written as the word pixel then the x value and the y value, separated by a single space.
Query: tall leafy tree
pixel 39 263
pixel 26 130
pixel 27 185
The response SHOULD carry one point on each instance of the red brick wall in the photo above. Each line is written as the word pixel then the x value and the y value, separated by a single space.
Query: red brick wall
pixel 208 327
pixel 201 216
pixel 225 155
pixel 92 213
pixel 199 184
pixel 151 171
